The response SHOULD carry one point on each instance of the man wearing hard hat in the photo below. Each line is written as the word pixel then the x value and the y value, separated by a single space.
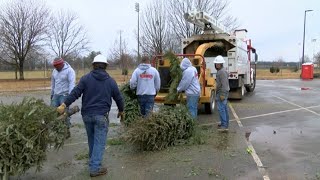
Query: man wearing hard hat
pixel 222 82
pixel 97 89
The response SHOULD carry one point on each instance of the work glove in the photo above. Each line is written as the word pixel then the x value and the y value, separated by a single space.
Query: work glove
pixel 61 108
pixel 120 115
pixel 222 98
pixel 51 97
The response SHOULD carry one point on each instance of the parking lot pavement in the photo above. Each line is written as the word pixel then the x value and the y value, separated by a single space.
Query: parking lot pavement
pixel 280 118
pixel 283 117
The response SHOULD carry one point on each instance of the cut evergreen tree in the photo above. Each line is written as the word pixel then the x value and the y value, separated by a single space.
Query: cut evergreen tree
pixel 161 129
pixel 131 105
pixel 27 129
pixel 175 74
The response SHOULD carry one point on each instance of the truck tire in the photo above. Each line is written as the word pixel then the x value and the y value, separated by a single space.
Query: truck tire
pixel 237 93
pixel 209 107
pixel 251 87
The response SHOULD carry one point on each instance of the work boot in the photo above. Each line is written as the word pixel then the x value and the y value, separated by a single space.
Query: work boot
pixel 223 129
pixel 102 171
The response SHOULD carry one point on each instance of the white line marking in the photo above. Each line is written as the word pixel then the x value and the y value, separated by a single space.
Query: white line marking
pixel 279 112
pixel 254 155
pixel 297 105
pixel 263 115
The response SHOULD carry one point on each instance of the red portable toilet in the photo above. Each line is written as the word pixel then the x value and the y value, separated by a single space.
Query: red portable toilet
pixel 307 71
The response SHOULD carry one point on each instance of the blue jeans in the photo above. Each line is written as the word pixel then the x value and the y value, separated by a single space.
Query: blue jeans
pixel 56 101
pixel 192 104
pixel 97 130
pixel 223 111
pixel 146 103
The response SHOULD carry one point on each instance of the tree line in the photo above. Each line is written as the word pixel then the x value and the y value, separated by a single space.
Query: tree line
pixel 31 33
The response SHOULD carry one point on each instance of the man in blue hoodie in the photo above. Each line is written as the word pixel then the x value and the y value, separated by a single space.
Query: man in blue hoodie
pixel 62 82
pixel 190 84
pixel 146 80
pixel 97 89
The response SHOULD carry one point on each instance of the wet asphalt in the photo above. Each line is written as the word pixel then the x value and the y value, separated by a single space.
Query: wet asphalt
pixel 281 116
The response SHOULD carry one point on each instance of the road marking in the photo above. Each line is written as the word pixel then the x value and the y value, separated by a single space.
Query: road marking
pixel 254 155
pixel 297 105
pixel 266 114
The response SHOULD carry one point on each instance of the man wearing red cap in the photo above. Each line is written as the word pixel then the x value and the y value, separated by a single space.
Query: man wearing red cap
pixel 62 82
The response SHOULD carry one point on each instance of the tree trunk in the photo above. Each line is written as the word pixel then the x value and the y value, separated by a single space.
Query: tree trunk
pixel 21 70
pixel 16 72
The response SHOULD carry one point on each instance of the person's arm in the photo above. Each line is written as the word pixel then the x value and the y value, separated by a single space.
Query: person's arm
pixel 75 93
pixel 71 79
pixel 157 81
pixel 134 80
pixel 224 82
pixel 185 81
pixel 52 85
pixel 117 97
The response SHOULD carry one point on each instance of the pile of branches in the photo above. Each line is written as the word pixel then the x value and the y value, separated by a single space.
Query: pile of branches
pixel 131 105
pixel 167 127
pixel 175 74
pixel 27 129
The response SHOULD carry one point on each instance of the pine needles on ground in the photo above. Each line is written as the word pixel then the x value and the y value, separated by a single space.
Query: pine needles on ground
pixel 175 74
pixel 164 128
pixel 26 131
pixel 131 105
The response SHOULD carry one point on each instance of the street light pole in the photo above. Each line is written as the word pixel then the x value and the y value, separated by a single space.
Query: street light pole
pixel 304 34
pixel 137 6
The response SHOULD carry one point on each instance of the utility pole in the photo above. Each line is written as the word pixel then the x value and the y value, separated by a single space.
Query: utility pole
pixel 304 34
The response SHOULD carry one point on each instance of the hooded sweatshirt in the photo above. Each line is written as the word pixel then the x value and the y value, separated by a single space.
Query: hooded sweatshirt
pixel 146 79
pixel 97 88
pixel 62 82
pixel 189 82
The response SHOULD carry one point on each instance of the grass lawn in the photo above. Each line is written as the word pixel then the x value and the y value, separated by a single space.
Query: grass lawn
pixel 36 80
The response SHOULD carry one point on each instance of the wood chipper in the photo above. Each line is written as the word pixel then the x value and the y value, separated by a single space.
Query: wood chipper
pixel 207 82
pixel 201 49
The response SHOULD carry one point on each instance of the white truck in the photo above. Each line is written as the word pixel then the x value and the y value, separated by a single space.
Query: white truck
pixel 236 48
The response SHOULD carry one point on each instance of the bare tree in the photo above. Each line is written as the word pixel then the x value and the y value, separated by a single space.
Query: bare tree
pixel 67 37
pixel 155 29
pixel 317 59
pixel 216 8
pixel 23 27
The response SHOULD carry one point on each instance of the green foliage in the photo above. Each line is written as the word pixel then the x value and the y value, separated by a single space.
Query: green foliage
pixel 115 141
pixel 131 105
pixel 167 127
pixel 26 131
pixel 81 156
pixel 272 69
pixel 175 74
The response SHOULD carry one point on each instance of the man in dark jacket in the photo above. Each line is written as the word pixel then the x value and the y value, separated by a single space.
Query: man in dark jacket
pixel 97 89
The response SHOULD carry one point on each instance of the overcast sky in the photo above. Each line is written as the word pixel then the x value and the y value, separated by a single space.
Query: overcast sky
pixel 275 26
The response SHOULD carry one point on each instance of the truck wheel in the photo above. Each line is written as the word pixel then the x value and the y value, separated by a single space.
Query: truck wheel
pixel 238 93
pixel 253 85
pixel 209 107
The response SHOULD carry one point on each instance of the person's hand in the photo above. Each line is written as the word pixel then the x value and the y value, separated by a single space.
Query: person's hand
pixel 120 115
pixel 222 98
pixel 61 108
pixel 51 97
